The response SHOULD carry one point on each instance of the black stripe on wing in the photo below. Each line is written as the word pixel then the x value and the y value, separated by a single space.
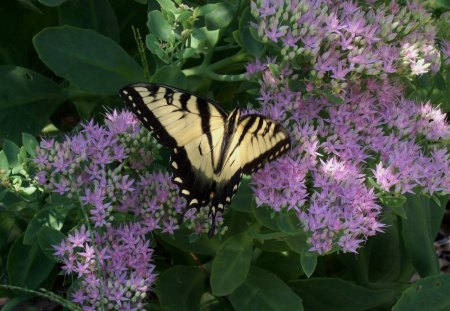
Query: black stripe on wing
pixel 135 102
pixel 193 185
pixel 273 152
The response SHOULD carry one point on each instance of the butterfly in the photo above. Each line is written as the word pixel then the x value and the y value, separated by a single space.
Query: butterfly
pixel 210 149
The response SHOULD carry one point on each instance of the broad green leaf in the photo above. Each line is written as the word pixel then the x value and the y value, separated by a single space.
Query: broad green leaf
pixel 170 75
pixel 97 15
pixel 236 222
pixel 325 294
pixel 297 242
pixel 308 261
pixel 4 165
pixel 203 246
pixel 440 82
pixel 243 201
pixel 231 264
pixel 248 41
pixel 265 216
pixel 9 228
pixel 444 3
pixel 27 266
pixel 15 303
pixel 47 237
pixel 208 302
pixel 167 5
pixel 283 264
pixel 419 230
pixel 203 38
pixel 217 15
pixel 273 245
pixel 160 27
pixel 46 217
pixel 11 151
pixel 262 290
pixel 430 294
pixel 383 258
pixel 86 58
pixel 30 143
pixel 180 288
pixel 27 100
pixel 289 223
pixel 52 3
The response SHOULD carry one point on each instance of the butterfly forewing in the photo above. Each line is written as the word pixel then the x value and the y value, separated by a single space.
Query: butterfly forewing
pixel 175 117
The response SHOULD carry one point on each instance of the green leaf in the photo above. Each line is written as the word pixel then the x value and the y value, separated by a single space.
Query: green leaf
pixel 297 242
pixel 91 61
pixel 30 143
pixel 4 165
pixel 46 217
pixel 152 44
pixel 167 5
pixel 283 264
pixel 47 237
pixel 11 151
pixel 430 293
pixel 9 228
pixel 243 201
pixel 27 100
pixel 308 261
pixel 97 15
pixel 203 246
pixel 289 223
pixel 203 38
pixel 264 216
pixel 262 290
pixel 209 302
pixel 52 3
pixel 160 27
pixel 217 15
pixel 444 3
pixel 15 303
pixel 248 41
pixel 27 266
pixel 231 264
pixel 324 294
pixel 180 288
pixel 418 232
pixel 383 258
pixel 170 75
pixel 440 82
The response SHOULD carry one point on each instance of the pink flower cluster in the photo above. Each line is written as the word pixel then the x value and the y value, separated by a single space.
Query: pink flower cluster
pixel 337 41
pixel 347 136
pixel 107 171
pixel 124 257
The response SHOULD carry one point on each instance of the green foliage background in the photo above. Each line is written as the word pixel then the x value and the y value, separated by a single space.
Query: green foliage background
pixel 63 61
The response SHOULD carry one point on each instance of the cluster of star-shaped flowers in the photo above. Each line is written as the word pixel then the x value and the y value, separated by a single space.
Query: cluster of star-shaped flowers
pixel 109 169
pixel 338 41
pixel 115 270
pixel 347 150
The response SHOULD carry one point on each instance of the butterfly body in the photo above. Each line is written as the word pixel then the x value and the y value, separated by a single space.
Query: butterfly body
pixel 211 149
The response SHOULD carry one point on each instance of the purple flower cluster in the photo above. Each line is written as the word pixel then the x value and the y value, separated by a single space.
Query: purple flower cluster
pixel 108 168
pixel 370 134
pixel 342 41
pixel 124 257
pixel 108 171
